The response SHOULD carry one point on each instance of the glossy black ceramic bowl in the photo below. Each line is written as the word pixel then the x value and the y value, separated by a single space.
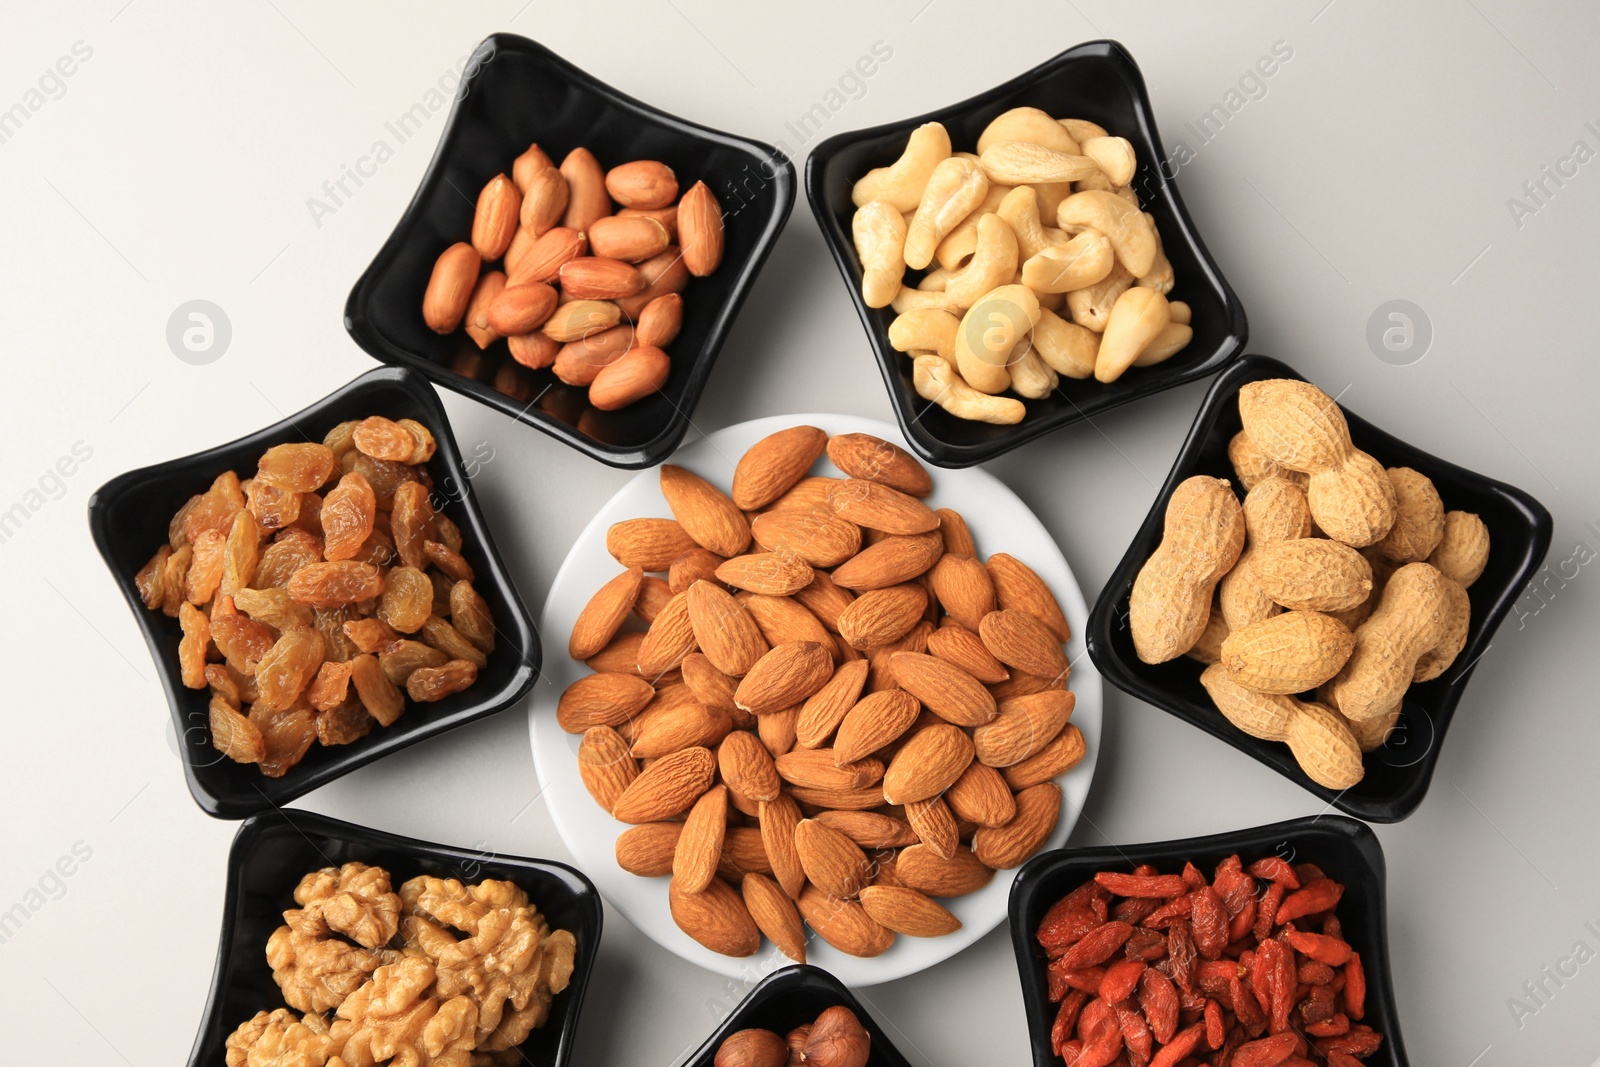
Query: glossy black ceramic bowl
pixel 1397 774
pixel 1346 850
pixel 128 518
pixel 274 850
pixel 1098 81
pixel 514 93
pixel 793 997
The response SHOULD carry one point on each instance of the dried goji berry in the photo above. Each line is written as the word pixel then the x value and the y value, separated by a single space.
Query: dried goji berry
pixel 1330 925
pixel 1095 1013
pixel 1067 1018
pixel 1241 924
pixel 1333 1026
pixel 1142 885
pixel 1070 1051
pixel 1310 899
pixel 1360 1041
pixel 1208 922
pixel 1136 1036
pixel 1330 950
pixel 1236 889
pixel 1308 872
pixel 1277 964
pixel 1246 1008
pixel 1267 911
pixel 1063 927
pixel 1090 894
pixel 1177 908
pixel 1120 980
pixel 1145 945
pixel 1192 876
pixel 1355 987
pixel 1097 945
pixel 1176 1050
pixel 1337 1058
pixel 1215 1031
pixel 1159 1002
pixel 1318 1005
pixel 1181 953
pixel 1134 909
pixel 1085 978
pixel 1267 1052
pixel 1275 869
pixel 1310 972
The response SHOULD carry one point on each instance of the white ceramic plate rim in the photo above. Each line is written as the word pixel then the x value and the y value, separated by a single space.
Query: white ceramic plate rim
pixel 999 521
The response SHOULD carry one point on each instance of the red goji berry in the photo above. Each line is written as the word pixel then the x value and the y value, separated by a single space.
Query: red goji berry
pixel 1267 911
pixel 1320 947
pixel 1142 885
pixel 1067 1018
pixel 1359 1042
pixel 1318 1005
pixel 1246 1008
pixel 1097 945
pixel 1321 895
pixel 1192 876
pixel 1177 908
pixel 1241 924
pixel 1145 945
pixel 1236 888
pixel 1134 909
pixel 1136 1036
pixel 1215 1031
pixel 1267 1052
pixel 1338 1024
pixel 1063 927
pixel 1208 923
pixel 1087 979
pixel 1103 1043
pixel 1341 1059
pixel 1275 869
pixel 1181 953
pixel 1120 980
pixel 1095 1011
pixel 1159 1001
pixel 1355 987
pixel 1176 1050
pixel 1310 972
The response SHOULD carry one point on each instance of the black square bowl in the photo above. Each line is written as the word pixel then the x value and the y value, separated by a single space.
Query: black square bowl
pixel 1397 774
pixel 1346 850
pixel 791 997
pixel 128 518
pixel 513 93
pixel 1098 81
pixel 274 850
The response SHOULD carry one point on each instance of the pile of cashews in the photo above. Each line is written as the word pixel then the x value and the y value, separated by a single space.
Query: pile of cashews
pixel 1007 302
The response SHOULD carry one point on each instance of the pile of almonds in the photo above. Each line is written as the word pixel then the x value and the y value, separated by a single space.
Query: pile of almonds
pixel 1336 578
pixel 838 724
pixel 592 263
pixel 835 1039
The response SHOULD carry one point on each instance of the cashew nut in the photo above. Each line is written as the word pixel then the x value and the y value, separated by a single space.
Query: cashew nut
pixel 1091 306
pixel 1031 125
pixel 1131 233
pixel 880 235
pixel 1077 264
pixel 989 331
pixel 1101 182
pixel 1172 339
pixel 1115 157
pixel 1082 129
pixel 1067 347
pixel 901 183
pixel 934 281
pixel 993 263
pixel 953 190
pixel 909 299
pixel 1048 301
pixel 929 329
pixel 1050 196
pixel 1022 163
pixel 961 242
pixel 1136 318
pixel 1020 209
pixel 1179 311
pixel 1030 375
pixel 937 381
pixel 1160 276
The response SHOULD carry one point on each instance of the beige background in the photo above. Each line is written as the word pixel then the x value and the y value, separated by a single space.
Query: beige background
pixel 176 163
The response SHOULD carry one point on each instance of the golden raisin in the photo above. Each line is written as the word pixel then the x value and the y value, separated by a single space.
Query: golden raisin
pixel 407 599
pixel 412 521
pixel 174 579
pixel 192 648
pixel 447 638
pixel 377 550
pixel 273 508
pixel 436 683
pixel 370 635
pixel 227 683
pixel 422 443
pixel 310 517
pixel 291 550
pixel 287 668
pixel 339 440
pixel 233 735
pixel 330 623
pixel 448 560
pixel 205 566
pixel 383 476
pixel 151 579
pixel 343 724
pixel 212 510
pixel 329 688
pixel 449 534
pixel 384 439
pixel 273 607
pixel 241 554
pixel 301 467
pixel 328 585
pixel 399 659
pixel 469 613
pixel 241 640
pixel 347 515
pixel 381 697
pixel 286 737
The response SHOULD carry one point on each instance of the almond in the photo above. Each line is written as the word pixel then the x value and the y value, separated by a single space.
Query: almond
pixel 825 599
pixel 882 675
pixel 660 320
pixel 870 829
pixel 957 645
pixel 587 199
pixel 981 796
pixel 778 818
pixel 649 544
pixel 669 639
pixel 819 769
pixel 957 538
pixel 1018 588
pixel 526 166
pixel 776 730
pixel 1019 640
pixel 1024 726
pixel 944 689
pixel 742 852
pixel 455 274
pixel 642 183
pixel 687 726
pixel 602 700
pixel 880 616
pixel 808 493
pixel 844 924
pixel 621 655
pixel 1022 684
pixel 606 766
pixel 695 565
pixel 647 850
pixel 927 764
pixel 667 786
pixel 520 309
pixel 833 862
pixel 877 507
pixel 874 722
pixel 723 629
pixel 964 589
pixel 864 799
pixel 600 618
pixel 814 535
pixel 580 319
pixel 704 511
pixel 771 466
pixel 861 455
pixel 890 561
pixel 825 709
pixel 934 825
pixel 767 573
pixel 495 219
pixel 694 861
pixel 630 238
pixel 700 230
pixel 710 686
pixel 663 274
pixel 542 259
pixel 906 911
pixel 1004 847
pixel 919 867
pixel 783 620
pixel 1060 755
pixel 779 919
pixel 544 200
pixel 716 917
pixel 599 278
pixel 784 677
pixel 654 594
pixel 747 766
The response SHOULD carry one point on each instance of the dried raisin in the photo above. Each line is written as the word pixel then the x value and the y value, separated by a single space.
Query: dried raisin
pixel 192 648
pixel 400 658
pixel 436 683
pixel 205 567
pixel 273 508
pixel 330 585
pixel 301 467
pixel 384 439
pixel 347 517
pixel 469 613
pixel 407 599
pixel 448 560
pixel 241 555
pixel 287 668
pixel 233 735
pixel 381 697
pixel 412 522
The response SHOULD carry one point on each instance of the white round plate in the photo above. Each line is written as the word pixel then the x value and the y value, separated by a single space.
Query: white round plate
pixel 1000 523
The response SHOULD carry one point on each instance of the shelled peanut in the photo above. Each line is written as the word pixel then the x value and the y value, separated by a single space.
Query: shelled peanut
pixel 1037 261
pixel 592 265
pixel 835 712
pixel 1350 586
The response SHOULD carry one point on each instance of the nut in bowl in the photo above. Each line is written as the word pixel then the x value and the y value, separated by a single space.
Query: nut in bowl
pixel 574 258
pixel 802 703
pixel 1022 259
pixel 1315 591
